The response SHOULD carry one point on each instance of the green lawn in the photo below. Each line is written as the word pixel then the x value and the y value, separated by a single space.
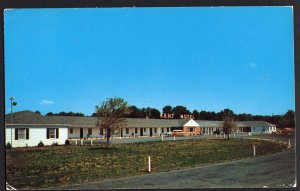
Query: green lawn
pixel 64 165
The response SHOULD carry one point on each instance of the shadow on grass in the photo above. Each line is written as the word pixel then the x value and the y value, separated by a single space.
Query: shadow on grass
pixel 216 139
pixel 103 148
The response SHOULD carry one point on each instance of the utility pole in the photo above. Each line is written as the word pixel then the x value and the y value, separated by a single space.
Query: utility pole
pixel 12 103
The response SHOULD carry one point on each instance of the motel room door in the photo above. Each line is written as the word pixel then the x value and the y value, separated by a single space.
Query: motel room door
pixel 141 131
pixel 81 133
pixel 150 132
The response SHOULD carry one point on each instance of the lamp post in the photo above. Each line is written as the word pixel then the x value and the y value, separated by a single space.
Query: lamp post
pixel 12 103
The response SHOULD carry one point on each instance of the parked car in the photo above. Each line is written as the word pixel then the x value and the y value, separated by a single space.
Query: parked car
pixel 178 133
pixel 168 134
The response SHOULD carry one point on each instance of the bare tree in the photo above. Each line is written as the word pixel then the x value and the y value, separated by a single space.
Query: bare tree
pixel 229 124
pixel 110 115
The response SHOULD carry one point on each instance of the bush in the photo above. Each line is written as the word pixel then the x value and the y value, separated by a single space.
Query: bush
pixel 216 132
pixel 41 144
pixel 54 144
pixel 8 146
pixel 67 142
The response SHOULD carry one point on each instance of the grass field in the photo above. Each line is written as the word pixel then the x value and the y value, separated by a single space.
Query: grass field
pixel 64 165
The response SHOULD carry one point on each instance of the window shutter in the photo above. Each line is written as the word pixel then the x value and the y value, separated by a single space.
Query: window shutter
pixel 16 134
pixel 57 135
pixel 27 133
pixel 47 133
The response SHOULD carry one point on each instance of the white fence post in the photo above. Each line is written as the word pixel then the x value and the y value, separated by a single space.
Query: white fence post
pixel 162 138
pixel 174 137
pixel 81 141
pixel 289 143
pixel 149 164
pixel 91 142
pixel 254 151
pixel 76 142
pixel 233 135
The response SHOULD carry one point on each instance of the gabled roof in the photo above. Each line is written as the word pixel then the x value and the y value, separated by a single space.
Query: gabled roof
pixel 254 124
pixel 29 117
pixel 191 123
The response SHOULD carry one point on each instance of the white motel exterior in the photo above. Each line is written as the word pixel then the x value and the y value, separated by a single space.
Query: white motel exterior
pixel 29 128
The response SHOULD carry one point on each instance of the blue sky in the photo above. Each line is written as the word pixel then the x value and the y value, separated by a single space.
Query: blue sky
pixel 203 58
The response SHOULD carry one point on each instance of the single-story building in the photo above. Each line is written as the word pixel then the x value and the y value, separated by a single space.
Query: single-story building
pixel 29 128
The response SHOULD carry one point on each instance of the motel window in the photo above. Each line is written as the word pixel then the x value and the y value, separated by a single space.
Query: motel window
pixel 191 129
pixel 52 133
pixel 168 129
pixel 21 134
pixel 90 131
pixel 135 130
pixel 71 131
pixel 155 130
pixel 144 129
pixel 162 130
pixel 127 130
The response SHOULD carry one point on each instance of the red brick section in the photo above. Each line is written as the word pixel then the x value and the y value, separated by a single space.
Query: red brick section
pixel 186 131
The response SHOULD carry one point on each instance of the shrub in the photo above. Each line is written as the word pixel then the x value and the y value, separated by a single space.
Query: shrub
pixel 216 132
pixel 41 144
pixel 54 144
pixel 8 146
pixel 67 142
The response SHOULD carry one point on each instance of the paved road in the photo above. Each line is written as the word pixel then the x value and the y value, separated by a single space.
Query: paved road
pixel 277 170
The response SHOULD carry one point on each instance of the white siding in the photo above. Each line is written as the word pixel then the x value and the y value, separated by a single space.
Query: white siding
pixel 76 132
pixel 259 129
pixel 36 134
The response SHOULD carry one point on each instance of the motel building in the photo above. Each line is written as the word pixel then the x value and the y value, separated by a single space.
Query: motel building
pixel 29 128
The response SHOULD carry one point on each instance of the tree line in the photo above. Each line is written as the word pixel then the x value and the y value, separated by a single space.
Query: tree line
pixel 78 114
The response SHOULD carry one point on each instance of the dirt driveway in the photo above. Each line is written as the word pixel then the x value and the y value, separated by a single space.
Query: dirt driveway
pixel 277 170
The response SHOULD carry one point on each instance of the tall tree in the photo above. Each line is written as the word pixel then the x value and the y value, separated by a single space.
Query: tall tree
pixel 110 115
pixel 167 109
pixel 49 114
pixel 196 114
pixel 244 117
pixel 204 115
pixel 38 112
pixel 180 110
pixel 229 124
pixel 288 119
pixel 135 112
pixel 154 113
